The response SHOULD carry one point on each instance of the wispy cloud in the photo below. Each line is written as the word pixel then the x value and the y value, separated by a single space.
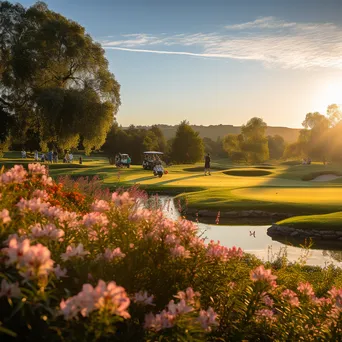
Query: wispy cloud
pixel 269 40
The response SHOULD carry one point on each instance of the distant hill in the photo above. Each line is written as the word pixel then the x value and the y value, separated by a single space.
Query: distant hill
pixel 214 131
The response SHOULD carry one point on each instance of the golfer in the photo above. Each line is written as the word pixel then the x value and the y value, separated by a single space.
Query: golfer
pixel 207 165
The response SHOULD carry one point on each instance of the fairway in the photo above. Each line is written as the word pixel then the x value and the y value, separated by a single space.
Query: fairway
pixel 317 196
pixel 272 188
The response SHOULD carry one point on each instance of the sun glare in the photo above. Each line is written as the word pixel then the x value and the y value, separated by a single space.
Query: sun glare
pixel 331 94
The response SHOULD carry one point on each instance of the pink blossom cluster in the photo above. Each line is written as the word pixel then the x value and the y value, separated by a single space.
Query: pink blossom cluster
pixel 100 206
pixel 208 318
pixel 189 295
pixel 306 289
pixel 37 169
pixel 180 252
pixel 74 252
pixel 124 199
pixel 47 231
pixel 143 298
pixel 116 253
pixel 95 218
pixel 217 251
pixel 336 295
pixel 17 174
pixel 266 314
pixel 261 274
pixel 34 204
pixel 291 297
pixel 9 290
pixel 32 261
pixel 110 298
pixel 60 272
pixel 63 217
pixel 168 317
pixel 42 194
pixel 4 216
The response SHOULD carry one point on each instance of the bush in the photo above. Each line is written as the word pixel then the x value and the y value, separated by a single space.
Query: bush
pixel 79 264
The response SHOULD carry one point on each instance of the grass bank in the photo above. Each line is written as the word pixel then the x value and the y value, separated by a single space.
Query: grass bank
pixel 331 221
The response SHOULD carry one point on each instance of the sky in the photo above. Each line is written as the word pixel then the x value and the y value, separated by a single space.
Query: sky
pixel 217 61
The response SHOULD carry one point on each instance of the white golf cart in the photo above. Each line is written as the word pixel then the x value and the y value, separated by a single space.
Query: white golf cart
pixel 152 161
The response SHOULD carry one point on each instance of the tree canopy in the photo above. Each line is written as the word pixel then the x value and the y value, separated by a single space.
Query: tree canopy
pixel 250 145
pixel 54 78
pixel 187 146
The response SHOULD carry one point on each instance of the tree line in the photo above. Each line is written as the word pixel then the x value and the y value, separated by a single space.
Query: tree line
pixel 320 138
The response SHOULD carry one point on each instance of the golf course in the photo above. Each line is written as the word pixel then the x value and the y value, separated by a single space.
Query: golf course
pixel 285 188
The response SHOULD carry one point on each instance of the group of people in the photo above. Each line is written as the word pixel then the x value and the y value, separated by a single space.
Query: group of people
pixel 50 157
pixel 306 161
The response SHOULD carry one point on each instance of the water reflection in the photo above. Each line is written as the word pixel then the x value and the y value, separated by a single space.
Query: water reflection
pixel 254 239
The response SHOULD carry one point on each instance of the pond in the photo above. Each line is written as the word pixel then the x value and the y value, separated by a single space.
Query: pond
pixel 254 239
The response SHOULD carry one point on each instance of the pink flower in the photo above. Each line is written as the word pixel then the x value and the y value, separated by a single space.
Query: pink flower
pixel 306 289
pixel 207 319
pixel 291 297
pixel 48 231
pixel 16 174
pixel 16 250
pixel 95 218
pixel 32 261
pixel 114 254
pixel 37 169
pixel 45 180
pixel 143 298
pixel 123 199
pixel 189 295
pixel 180 308
pixel 336 295
pixel 179 252
pixel 9 290
pixel 4 216
pixel 42 194
pixel 60 273
pixel 261 274
pixel 34 204
pixel 100 206
pixel 265 314
pixel 267 300
pixel 216 251
pixel 111 298
pixel 164 320
pixel 74 252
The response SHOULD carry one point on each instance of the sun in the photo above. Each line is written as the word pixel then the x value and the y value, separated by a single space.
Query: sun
pixel 331 94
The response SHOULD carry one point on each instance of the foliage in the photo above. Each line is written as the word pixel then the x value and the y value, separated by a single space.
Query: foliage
pixel 214 148
pixel 276 146
pixel 55 78
pixel 80 268
pixel 187 146
pixel 133 141
pixel 320 138
pixel 250 145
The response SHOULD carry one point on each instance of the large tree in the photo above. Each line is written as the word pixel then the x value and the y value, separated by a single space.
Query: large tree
pixel 187 146
pixel 251 144
pixel 276 146
pixel 54 77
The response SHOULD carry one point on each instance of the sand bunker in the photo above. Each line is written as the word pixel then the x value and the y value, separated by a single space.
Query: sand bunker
pixel 325 178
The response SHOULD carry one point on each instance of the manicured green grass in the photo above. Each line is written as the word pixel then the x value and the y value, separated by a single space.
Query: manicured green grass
pixel 331 221
pixel 274 188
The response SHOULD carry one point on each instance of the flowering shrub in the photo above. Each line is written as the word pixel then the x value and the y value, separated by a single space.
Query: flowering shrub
pixel 88 265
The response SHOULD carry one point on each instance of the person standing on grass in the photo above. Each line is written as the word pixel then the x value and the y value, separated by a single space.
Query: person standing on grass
pixel 207 165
